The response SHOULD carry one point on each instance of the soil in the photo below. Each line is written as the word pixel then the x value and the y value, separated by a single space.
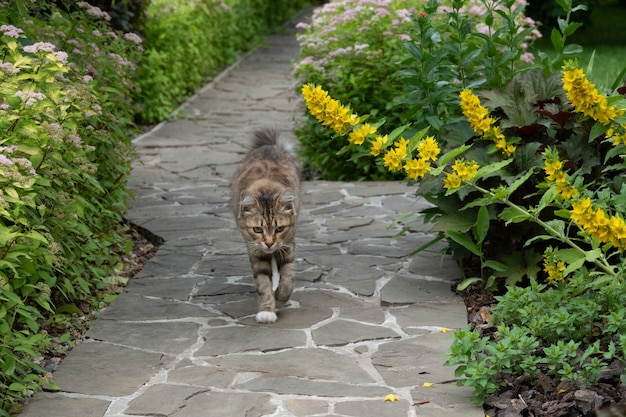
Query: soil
pixel 544 398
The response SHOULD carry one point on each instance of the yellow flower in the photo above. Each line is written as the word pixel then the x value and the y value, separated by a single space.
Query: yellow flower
pixel 618 232
pixel 554 270
pixel 585 97
pixel 402 144
pixel 328 111
pixel 451 181
pixel 393 159
pixel 617 133
pixel 357 136
pixel 465 170
pixel 416 168
pixel 378 144
pixel 428 384
pixel 428 148
pixel 476 114
pixel 552 168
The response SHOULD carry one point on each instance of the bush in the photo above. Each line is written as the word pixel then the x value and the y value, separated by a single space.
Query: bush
pixel 405 62
pixel 66 114
pixel 187 42
pixel 528 190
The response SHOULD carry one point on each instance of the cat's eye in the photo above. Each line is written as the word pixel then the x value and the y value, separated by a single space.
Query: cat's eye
pixel 257 229
pixel 279 229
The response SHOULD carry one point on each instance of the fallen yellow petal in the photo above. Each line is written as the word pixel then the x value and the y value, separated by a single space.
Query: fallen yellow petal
pixel 428 384
pixel 445 330
pixel 391 398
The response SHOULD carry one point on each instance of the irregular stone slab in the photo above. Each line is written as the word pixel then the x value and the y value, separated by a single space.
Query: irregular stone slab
pixel 235 306
pixel 201 376
pixel 414 318
pixel 376 408
pixel 217 287
pixel 446 399
pixel 57 404
pixel 128 306
pixel 218 404
pixel 427 264
pixel 342 332
pixel 401 204
pixel 358 279
pixel 166 337
pixel 294 318
pixel 175 288
pixel 95 368
pixel 162 399
pixel 374 249
pixel 325 299
pixel 414 361
pixel 364 314
pixel 410 290
pixel 166 265
pixel 236 339
pixel 225 266
pixel 343 223
pixel 376 188
pixel 301 363
pixel 299 386
pixel 306 408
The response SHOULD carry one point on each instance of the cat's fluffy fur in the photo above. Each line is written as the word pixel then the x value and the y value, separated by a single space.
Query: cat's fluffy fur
pixel 265 196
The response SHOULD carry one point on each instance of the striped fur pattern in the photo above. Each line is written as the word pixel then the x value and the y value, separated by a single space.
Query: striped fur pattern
pixel 265 195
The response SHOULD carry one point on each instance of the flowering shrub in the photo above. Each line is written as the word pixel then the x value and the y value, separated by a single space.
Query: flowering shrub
pixel 65 118
pixel 536 193
pixel 407 60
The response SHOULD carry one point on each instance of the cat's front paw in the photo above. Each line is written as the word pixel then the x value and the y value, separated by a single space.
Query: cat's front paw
pixel 266 317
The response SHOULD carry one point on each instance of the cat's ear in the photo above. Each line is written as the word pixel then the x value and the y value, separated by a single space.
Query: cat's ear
pixel 246 203
pixel 287 202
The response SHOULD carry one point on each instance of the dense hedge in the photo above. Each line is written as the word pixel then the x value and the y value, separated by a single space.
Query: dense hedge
pixel 66 113
pixel 187 44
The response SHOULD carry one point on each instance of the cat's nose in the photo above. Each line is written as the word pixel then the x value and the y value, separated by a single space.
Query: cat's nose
pixel 269 244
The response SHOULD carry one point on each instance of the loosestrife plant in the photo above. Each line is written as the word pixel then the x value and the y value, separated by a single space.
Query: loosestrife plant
pixel 547 199
pixel 407 60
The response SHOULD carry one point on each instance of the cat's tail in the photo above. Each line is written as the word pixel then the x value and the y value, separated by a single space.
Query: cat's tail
pixel 271 136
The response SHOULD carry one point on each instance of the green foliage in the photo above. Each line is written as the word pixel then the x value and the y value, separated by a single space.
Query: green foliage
pixel 65 117
pixel 188 42
pixel 567 332
pixel 407 61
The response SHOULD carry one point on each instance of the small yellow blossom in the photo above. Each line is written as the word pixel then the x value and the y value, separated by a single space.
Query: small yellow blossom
pixel 393 159
pixel 358 135
pixel 402 145
pixel 465 170
pixel 554 270
pixel 377 144
pixel 392 398
pixel 444 330
pixel 428 149
pixel 451 181
pixel 428 384
pixel 416 168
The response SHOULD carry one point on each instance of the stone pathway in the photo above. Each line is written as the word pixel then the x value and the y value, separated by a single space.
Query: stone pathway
pixel 365 320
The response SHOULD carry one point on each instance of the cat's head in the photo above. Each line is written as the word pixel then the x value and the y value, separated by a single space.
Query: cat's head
pixel 267 219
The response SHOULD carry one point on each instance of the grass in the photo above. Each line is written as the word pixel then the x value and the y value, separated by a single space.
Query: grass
pixel 602 40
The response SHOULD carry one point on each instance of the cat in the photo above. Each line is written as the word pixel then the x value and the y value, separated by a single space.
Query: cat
pixel 265 196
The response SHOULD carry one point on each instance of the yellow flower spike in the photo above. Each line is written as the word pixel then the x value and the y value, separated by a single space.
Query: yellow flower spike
pixel 416 168
pixel 391 398
pixel 428 148
pixel 358 135
pixel 378 144
pixel 427 384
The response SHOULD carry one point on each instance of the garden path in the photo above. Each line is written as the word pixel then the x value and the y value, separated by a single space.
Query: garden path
pixel 366 320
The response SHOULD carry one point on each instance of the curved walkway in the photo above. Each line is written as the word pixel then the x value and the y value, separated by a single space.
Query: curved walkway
pixel 181 341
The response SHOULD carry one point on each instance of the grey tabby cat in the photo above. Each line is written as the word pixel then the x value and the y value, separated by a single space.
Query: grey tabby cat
pixel 265 196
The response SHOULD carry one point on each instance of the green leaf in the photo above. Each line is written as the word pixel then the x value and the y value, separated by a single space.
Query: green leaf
pixel 495 265
pixel 491 168
pixel 481 227
pixel 514 215
pixel 467 282
pixel 464 240
pixel 557 40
